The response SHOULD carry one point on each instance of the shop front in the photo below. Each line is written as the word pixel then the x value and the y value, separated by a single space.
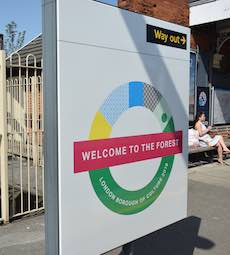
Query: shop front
pixel 210 65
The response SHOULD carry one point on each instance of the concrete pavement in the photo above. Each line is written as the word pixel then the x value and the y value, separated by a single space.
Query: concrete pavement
pixel 23 237
pixel 205 231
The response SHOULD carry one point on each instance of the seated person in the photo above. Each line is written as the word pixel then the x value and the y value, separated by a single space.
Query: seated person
pixel 193 138
pixel 207 140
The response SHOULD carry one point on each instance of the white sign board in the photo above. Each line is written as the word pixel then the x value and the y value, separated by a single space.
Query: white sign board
pixel 119 99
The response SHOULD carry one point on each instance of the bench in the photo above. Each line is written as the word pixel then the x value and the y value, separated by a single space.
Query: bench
pixel 199 149
pixel 193 151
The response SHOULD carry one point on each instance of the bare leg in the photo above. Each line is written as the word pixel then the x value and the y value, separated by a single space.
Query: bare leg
pixel 225 148
pixel 220 153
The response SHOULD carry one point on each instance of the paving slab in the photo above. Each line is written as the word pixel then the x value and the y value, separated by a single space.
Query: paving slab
pixel 206 230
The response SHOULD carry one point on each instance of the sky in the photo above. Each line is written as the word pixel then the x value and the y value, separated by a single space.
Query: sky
pixel 27 14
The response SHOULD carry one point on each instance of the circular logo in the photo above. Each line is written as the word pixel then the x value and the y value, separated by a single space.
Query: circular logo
pixel 110 193
pixel 202 99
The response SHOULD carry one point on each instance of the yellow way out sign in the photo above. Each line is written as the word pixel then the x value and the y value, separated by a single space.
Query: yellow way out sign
pixel 166 37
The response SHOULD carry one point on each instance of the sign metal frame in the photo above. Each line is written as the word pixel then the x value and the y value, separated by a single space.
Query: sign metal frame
pixel 51 47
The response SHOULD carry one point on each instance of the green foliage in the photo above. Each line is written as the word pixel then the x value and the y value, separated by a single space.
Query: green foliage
pixel 13 39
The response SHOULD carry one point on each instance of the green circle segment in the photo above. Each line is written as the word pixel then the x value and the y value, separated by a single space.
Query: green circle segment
pixel 126 202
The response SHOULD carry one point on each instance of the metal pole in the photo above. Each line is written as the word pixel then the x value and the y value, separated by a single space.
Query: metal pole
pixel 197 60
pixel 34 120
pixel 212 105
pixel 3 141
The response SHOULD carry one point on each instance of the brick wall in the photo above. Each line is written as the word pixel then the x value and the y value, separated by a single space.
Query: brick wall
pixel 204 37
pixel 175 11
pixel 221 130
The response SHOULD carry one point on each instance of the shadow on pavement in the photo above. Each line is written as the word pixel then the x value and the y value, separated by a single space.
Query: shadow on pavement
pixel 180 238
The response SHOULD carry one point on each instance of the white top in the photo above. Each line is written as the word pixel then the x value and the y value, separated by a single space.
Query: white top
pixel 207 139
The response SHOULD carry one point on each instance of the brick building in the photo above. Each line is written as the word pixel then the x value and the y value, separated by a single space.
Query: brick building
pixel 210 47
pixel 175 11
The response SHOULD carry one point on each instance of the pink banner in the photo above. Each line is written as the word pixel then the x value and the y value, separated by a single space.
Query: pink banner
pixel 96 154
